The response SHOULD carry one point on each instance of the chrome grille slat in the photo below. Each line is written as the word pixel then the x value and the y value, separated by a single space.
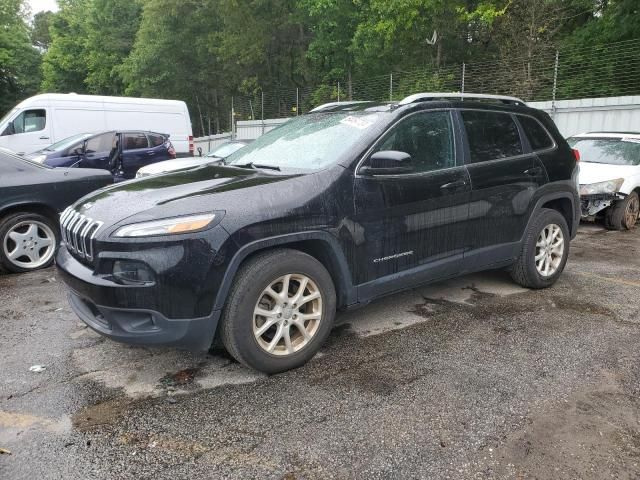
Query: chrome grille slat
pixel 78 232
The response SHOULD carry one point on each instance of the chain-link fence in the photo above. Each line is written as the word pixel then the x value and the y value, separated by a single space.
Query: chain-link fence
pixel 583 72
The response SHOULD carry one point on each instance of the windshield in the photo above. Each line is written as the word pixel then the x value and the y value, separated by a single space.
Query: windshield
pixel 224 150
pixel 308 142
pixel 67 142
pixel 613 151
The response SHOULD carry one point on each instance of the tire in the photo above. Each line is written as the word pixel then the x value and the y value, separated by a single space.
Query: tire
pixel 526 271
pixel 623 214
pixel 248 336
pixel 34 235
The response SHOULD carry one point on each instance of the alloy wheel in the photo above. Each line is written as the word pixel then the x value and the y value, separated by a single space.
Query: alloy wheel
pixel 549 250
pixel 287 314
pixel 29 244
pixel 631 212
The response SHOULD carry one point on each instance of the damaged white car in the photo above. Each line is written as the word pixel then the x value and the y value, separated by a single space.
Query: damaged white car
pixel 609 177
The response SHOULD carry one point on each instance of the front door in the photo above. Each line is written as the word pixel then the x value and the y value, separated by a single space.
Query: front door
pixel 99 150
pixel 28 132
pixel 413 225
pixel 505 177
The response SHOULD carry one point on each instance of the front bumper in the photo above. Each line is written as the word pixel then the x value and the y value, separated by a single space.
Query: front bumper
pixel 127 313
pixel 591 205
pixel 145 327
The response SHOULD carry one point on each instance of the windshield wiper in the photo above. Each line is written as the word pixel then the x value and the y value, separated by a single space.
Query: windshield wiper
pixel 258 165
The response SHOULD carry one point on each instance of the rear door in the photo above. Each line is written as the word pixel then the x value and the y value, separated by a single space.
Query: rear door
pixel 413 225
pixel 505 175
pixel 136 153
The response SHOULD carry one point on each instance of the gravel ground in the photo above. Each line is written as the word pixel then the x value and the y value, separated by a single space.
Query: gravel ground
pixel 472 378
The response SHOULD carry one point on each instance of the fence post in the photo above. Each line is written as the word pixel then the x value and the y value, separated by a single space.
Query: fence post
pixel 391 87
pixel 233 120
pixel 297 101
pixel 464 71
pixel 555 85
pixel 338 91
pixel 262 109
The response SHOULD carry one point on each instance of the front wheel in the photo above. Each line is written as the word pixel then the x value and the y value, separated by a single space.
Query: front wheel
pixel 28 241
pixel 544 251
pixel 279 312
pixel 623 214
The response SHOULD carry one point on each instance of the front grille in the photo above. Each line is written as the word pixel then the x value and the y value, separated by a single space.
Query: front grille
pixel 78 233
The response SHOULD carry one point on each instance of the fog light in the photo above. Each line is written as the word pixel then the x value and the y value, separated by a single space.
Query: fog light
pixel 131 272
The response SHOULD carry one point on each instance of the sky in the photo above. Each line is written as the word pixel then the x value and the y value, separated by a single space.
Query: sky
pixel 40 5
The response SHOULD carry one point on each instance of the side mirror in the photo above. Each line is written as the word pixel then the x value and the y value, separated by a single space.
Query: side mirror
pixel 388 162
pixel 78 151
pixel 200 151
pixel 10 130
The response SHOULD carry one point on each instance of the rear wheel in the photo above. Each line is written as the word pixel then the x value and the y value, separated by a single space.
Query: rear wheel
pixel 623 215
pixel 279 312
pixel 28 241
pixel 544 251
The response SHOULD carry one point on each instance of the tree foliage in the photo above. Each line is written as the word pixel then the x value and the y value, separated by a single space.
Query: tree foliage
pixel 206 51
pixel 19 60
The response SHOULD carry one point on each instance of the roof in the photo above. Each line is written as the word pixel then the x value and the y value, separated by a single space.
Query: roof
pixel 634 135
pixel 97 98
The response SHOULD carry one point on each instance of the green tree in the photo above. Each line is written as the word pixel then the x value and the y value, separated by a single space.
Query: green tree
pixel 40 33
pixel 111 32
pixel 65 63
pixel 19 60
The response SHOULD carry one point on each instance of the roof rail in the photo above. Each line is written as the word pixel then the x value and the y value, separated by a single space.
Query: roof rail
pixel 327 106
pixel 424 97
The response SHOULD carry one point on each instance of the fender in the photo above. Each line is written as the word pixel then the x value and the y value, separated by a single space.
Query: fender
pixel 344 275
pixel 29 204
pixel 547 197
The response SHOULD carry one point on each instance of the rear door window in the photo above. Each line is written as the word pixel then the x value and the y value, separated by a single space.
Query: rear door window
pixel 491 135
pixel 135 141
pixel 538 136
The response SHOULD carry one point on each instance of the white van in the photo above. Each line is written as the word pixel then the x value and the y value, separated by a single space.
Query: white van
pixel 45 119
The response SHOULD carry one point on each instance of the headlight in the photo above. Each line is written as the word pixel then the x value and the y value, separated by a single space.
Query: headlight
pixel 166 226
pixel 39 159
pixel 611 186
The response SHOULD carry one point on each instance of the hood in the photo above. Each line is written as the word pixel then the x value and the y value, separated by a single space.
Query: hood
pixel 602 172
pixel 175 164
pixel 173 194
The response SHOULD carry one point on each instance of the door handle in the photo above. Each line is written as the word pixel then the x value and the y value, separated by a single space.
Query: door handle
pixel 533 172
pixel 44 138
pixel 456 184
pixel 151 153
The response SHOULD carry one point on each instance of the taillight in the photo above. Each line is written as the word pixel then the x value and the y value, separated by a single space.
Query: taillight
pixel 576 154
pixel 172 151
pixel 192 147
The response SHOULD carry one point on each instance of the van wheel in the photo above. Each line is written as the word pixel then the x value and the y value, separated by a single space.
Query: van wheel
pixel 544 251
pixel 28 241
pixel 279 312
pixel 623 214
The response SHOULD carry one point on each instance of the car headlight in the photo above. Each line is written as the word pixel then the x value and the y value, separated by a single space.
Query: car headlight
pixel 39 159
pixel 610 186
pixel 166 226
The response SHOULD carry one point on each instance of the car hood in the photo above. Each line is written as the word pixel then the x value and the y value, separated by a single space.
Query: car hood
pixel 172 194
pixel 602 172
pixel 175 164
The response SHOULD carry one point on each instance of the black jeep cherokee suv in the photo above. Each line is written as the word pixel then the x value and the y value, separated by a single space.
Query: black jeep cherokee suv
pixel 330 210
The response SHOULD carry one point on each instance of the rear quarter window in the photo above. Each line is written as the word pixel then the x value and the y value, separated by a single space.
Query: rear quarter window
pixel 155 140
pixel 491 135
pixel 538 136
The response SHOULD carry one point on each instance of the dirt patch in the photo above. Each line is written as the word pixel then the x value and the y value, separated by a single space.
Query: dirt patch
pixel 594 433
pixel 101 414
pixel 181 378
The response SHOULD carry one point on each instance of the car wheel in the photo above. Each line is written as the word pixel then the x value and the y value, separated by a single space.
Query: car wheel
pixel 624 213
pixel 28 241
pixel 279 311
pixel 544 251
